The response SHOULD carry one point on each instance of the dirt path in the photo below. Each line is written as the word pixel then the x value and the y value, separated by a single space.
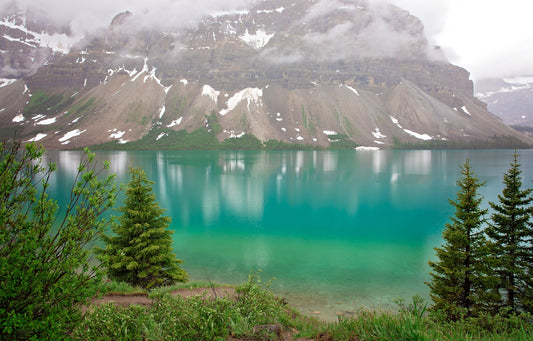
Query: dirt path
pixel 142 298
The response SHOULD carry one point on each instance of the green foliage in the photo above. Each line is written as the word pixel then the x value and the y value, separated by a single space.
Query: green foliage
pixel 42 103
pixel 200 139
pixel 159 292
pixel 511 244
pixel 140 252
pixel 495 142
pixel 280 145
pixel 112 322
pixel 212 120
pixel 462 281
pixel 45 259
pixel 246 142
pixel 412 323
pixel 194 318
pixel 341 142
pixel 238 316
pixel 120 288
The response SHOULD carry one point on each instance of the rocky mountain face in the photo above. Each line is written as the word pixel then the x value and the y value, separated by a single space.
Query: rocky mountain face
pixel 510 99
pixel 301 71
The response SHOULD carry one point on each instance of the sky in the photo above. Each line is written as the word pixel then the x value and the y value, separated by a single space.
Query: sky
pixel 489 38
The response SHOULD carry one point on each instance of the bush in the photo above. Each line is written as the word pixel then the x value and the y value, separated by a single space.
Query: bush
pixel 45 259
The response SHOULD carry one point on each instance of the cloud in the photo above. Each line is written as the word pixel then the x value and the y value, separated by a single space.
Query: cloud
pixel 433 15
pixel 495 43
pixel 487 38
pixel 282 56
pixel 86 16
pixel 322 8
pixel 374 30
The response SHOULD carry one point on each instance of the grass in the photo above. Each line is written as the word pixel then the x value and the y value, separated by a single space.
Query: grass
pixel 254 307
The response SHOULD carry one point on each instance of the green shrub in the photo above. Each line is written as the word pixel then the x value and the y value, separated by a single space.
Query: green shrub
pixel 45 261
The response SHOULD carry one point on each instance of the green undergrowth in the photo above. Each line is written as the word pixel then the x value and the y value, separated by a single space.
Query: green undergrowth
pixel 495 142
pixel 254 313
pixel 123 288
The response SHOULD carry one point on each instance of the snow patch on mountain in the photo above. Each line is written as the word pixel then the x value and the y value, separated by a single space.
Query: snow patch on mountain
pixel 175 122
pixel 424 137
pixel 395 121
pixel 6 82
pixel 208 91
pixel 65 139
pixel 117 134
pixel 268 11
pixel 38 137
pixel 144 69
pixel 378 135
pixel 230 13
pixel 248 94
pixel 47 121
pixel 258 40
pixel 61 43
pixel 352 89
pixel 362 148
pixel 17 119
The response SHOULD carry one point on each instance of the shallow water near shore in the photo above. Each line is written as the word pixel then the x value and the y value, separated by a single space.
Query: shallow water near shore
pixel 337 230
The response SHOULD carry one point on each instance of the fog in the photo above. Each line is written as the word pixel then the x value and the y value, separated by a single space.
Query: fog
pixel 490 39
pixel 87 16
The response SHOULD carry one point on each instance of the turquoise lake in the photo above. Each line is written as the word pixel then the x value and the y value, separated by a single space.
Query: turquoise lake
pixel 337 230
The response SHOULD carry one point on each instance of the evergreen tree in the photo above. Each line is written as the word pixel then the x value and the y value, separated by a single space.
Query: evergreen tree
pixel 140 253
pixel 509 234
pixel 460 284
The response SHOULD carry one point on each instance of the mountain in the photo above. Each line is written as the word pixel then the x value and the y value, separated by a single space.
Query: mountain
pixel 314 72
pixel 510 99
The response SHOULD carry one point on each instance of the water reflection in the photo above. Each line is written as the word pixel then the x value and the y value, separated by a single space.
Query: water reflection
pixel 211 188
pixel 350 227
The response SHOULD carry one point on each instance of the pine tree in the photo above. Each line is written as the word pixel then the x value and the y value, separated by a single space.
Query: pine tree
pixel 140 253
pixel 460 283
pixel 509 234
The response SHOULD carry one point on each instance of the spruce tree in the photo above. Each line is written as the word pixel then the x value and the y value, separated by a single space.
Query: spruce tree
pixel 460 284
pixel 140 252
pixel 509 234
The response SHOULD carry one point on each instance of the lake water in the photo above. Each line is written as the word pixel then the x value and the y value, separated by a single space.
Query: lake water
pixel 337 230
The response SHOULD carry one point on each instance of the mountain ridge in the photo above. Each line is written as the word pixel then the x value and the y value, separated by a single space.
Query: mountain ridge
pixel 300 74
